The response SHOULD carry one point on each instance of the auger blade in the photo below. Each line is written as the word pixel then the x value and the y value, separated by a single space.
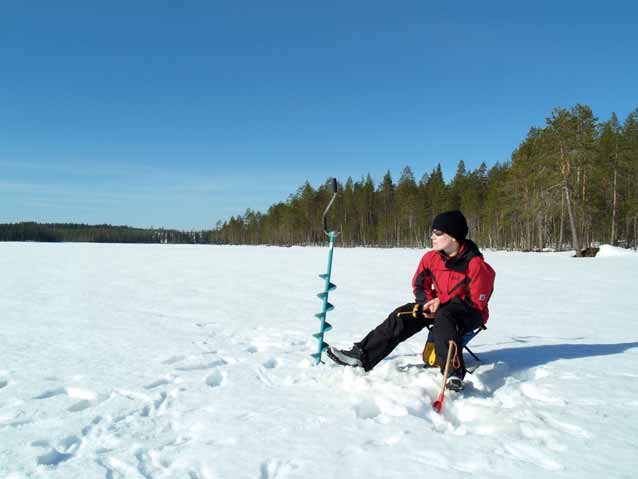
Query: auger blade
pixel 322 295
pixel 329 307
pixel 327 327
pixel 320 315
pixel 323 276
pixel 332 287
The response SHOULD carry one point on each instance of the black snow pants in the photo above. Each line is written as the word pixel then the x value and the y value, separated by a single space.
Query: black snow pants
pixel 451 321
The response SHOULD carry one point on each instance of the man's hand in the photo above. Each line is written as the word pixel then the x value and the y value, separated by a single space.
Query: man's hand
pixel 429 308
pixel 425 310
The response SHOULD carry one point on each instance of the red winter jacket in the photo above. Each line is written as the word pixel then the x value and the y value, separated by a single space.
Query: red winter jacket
pixel 465 276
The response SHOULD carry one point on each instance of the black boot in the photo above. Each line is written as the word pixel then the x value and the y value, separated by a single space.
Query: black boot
pixel 454 383
pixel 354 357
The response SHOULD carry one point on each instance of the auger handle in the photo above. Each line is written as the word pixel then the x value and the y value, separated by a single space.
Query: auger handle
pixel 438 404
pixel 333 190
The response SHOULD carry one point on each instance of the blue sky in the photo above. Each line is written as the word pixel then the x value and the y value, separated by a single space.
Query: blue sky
pixel 178 114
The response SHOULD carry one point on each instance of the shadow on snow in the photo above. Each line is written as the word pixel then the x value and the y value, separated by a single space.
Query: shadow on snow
pixel 519 359
pixel 514 362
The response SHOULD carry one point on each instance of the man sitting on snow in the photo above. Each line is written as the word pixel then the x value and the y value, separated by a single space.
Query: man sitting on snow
pixel 452 286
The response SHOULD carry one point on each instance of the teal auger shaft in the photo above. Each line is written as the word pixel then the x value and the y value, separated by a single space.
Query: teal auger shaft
pixel 325 326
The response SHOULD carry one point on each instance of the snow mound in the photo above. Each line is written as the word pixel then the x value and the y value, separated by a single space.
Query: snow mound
pixel 607 251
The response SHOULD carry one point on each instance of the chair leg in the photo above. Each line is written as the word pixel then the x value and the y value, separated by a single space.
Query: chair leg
pixel 473 355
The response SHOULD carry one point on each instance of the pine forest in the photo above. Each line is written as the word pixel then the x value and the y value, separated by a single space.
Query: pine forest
pixel 569 185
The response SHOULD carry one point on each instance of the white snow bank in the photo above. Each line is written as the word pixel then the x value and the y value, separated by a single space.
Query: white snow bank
pixel 607 251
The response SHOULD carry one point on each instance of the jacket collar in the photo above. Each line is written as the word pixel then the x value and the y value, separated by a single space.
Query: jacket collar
pixel 459 262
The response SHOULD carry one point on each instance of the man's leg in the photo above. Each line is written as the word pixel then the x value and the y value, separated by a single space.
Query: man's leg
pixel 451 321
pixel 382 340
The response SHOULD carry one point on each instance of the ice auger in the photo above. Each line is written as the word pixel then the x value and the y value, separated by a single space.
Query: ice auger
pixel 325 326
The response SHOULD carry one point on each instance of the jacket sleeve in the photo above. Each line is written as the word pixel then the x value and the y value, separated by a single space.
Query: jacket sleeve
pixel 422 282
pixel 480 283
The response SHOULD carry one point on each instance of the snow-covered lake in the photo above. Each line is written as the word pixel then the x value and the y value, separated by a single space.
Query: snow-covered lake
pixel 127 361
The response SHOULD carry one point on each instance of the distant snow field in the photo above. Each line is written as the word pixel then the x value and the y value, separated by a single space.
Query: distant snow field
pixel 145 362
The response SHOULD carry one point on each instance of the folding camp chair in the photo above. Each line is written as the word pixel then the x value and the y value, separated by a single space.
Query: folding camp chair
pixel 429 355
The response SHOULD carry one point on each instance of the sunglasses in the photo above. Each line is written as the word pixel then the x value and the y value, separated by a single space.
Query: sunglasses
pixel 438 232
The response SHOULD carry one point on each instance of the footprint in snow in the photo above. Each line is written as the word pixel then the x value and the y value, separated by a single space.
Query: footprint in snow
pixel 65 450
pixel 86 398
pixel 272 363
pixel 193 474
pixel 49 393
pixel 119 468
pixel 157 407
pixel 74 393
pixel 53 458
pixel 86 430
pixel 276 469
pixel 15 421
pixel 149 460
pixel 155 384
pixel 19 423
pixel 201 366
pixel 216 379
pixel 173 360
pixel 80 406
pixel 160 382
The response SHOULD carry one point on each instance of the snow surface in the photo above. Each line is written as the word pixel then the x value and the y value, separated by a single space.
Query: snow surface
pixel 125 361
pixel 607 250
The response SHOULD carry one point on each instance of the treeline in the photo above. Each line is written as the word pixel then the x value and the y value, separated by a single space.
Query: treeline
pixel 570 184
pixel 63 232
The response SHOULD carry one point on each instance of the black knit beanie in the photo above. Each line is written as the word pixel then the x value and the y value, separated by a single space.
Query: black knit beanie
pixel 452 223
